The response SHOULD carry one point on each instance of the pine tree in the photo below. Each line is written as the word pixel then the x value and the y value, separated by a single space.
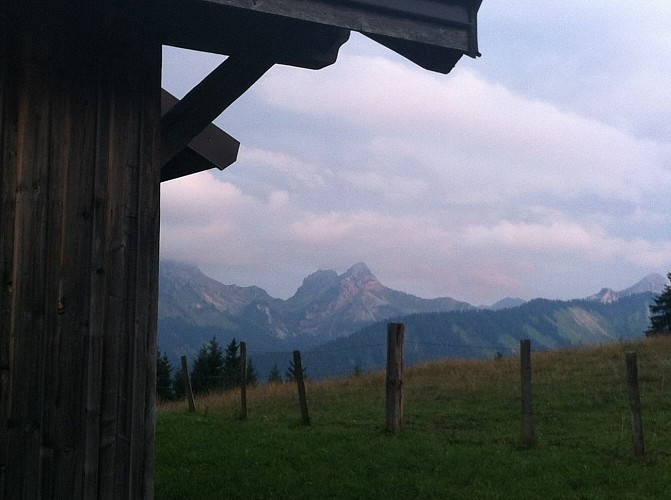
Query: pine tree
pixel 252 376
pixel 231 368
pixel 275 376
pixel 660 313
pixel 164 391
pixel 290 374
pixel 178 387
pixel 208 368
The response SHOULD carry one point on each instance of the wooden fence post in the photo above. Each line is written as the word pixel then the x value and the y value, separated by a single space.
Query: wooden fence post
pixel 635 404
pixel 243 380
pixel 300 381
pixel 528 432
pixel 394 407
pixel 187 384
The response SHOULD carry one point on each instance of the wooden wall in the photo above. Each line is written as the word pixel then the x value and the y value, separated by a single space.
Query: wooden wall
pixel 79 222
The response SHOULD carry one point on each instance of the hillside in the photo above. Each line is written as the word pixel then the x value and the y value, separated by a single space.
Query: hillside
pixel 461 434
pixel 484 334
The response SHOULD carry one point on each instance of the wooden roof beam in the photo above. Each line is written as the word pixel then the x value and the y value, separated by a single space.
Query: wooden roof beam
pixel 207 100
pixel 212 148
pixel 254 43
pixel 431 33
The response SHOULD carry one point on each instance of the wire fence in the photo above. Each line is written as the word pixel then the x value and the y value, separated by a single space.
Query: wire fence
pixel 596 390
pixel 341 361
pixel 337 361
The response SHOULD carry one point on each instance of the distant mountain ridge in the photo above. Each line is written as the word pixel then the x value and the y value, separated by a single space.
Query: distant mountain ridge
pixel 326 306
pixel 652 283
pixel 506 303
pixel 488 333
pixel 345 312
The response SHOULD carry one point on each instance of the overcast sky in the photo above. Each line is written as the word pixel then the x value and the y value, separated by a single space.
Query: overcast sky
pixel 541 169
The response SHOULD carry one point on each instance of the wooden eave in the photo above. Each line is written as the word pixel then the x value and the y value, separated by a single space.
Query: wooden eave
pixel 308 33
pixel 220 29
pixel 256 34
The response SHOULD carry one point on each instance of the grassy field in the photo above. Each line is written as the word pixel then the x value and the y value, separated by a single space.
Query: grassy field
pixel 461 435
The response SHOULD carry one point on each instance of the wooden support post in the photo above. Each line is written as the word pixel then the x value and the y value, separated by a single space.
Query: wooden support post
pixel 394 413
pixel 79 234
pixel 300 382
pixel 243 380
pixel 187 384
pixel 635 404
pixel 528 431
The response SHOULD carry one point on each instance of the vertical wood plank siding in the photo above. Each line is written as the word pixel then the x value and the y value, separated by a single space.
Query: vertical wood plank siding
pixel 79 221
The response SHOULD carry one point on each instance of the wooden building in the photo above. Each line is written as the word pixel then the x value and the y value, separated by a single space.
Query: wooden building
pixel 83 147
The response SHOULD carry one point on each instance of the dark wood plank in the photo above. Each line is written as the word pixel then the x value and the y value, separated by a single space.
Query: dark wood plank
pixel 7 190
pixel 394 377
pixel 79 212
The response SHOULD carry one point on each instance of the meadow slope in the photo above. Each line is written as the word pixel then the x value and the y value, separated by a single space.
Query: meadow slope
pixel 461 436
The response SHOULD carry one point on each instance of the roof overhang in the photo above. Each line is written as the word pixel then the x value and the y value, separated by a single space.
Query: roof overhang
pixel 256 34
pixel 308 33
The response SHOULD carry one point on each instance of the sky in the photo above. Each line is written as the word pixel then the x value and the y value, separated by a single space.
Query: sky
pixel 541 169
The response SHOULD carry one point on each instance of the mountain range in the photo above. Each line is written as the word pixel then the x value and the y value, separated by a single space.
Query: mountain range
pixel 332 313
pixel 194 307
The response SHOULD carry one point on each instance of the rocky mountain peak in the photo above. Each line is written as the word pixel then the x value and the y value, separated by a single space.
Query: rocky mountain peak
pixel 317 282
pixel 651 283
pixel 358 269
pixel 182 271
pixel 605 296
pixel 507 303
pixel 360 276
pixel 184 290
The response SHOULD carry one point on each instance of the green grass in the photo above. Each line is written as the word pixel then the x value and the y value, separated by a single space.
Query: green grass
pixel 461 435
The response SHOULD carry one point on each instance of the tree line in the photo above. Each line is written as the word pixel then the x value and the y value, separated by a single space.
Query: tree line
pixel 214 369
pixel 660 313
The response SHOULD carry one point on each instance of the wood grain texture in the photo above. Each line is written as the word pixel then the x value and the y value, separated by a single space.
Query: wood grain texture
pixel 528 428
pixel 394 377
pixel 634 394
pixel 79 213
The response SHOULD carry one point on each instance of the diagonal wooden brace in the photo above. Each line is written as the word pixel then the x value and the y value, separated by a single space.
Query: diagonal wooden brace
pixel 209 99
pixel 212 148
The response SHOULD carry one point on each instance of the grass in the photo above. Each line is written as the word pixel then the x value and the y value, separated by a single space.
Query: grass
pixel 461 434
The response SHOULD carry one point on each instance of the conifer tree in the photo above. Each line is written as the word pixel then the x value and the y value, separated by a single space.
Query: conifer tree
pixel 164 391
pixel 231 367
pixel 275 376
pixel 252 376
pixel 208 368
pixel 290 374
pixel 660 313
pixel 178 387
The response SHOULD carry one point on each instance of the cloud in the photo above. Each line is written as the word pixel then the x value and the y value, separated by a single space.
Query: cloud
pixel 202 218
pixel 604 60
pixel 301 173
pixel 541 169
pixel 418 124
pixel 562 238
